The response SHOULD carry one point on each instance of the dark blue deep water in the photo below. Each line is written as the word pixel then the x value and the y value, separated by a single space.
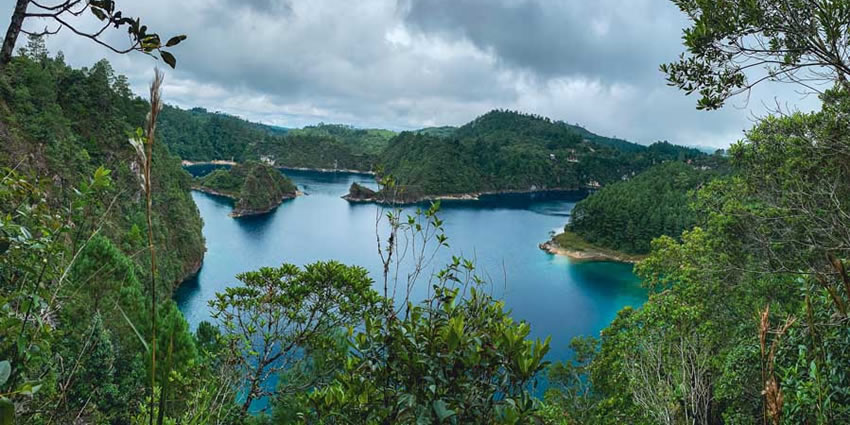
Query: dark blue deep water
pixel 556 296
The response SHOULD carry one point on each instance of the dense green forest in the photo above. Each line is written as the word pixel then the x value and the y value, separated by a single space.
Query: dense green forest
pixel 51 131
pixel 747 322
pixel 199 135
pixel 75 283
pixel 499 151
pixel 626 216
pixel 316 151
pixel 256 187
pixel 370 141
pixel 510 151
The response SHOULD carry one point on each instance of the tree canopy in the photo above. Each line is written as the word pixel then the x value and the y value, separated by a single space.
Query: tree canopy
pixel 64 15
pixel 627 216
pixel 731 46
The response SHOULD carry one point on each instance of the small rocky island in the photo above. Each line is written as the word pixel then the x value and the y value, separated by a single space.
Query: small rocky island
pixel 360 193
pixel 256 188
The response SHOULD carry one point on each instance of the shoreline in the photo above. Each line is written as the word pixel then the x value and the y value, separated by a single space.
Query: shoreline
pixel 187 163
pixel 471 196
pixel 236 213
pixel 592 254
pixel 327 170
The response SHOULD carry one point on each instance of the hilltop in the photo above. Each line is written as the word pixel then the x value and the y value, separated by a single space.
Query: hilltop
pixel 507 151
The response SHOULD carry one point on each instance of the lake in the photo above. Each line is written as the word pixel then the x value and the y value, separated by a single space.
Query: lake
pixel 555 296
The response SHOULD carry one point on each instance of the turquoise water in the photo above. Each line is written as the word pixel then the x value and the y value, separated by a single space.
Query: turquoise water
pixel 556 296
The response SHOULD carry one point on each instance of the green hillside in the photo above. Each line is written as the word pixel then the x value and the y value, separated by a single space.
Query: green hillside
pixel 199 135
pixel 361 141
pixel 511 151
pixel 75 272
pixel 49 130
pixel 627 216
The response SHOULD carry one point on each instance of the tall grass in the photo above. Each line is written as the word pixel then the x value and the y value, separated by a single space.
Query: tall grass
pixel 150 132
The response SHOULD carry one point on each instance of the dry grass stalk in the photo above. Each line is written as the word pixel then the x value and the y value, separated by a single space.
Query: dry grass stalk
pixel 150 133
pixel 773 399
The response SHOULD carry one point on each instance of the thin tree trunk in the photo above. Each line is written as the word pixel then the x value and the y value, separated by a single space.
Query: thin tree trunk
pixel 13 31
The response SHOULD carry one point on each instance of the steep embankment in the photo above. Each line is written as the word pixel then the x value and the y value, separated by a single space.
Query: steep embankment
pixel 60 124
pixel 255 187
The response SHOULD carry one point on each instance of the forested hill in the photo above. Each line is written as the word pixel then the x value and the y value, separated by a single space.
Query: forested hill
pixel 60 124
pixel 361 141
pixel 627 216
pixel 505 123
pixel 511 151
pixel 199 135
pixel 75 270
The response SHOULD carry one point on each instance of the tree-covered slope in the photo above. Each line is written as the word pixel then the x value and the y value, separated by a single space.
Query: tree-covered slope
pixel 77 321
pixel 626 216
pixel 361 141
pixel 313 151
pixel 256 187
pixel 510 151
pixel 199 135
pixel 61 124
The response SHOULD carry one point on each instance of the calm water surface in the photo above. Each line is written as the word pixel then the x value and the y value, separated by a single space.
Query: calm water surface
pixel 556 296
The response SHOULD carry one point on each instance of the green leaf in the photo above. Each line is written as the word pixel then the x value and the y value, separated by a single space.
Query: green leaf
pixel 5 371
pixel 168 58
pixel 442 410
pixel 175 41
pixel 29 388
pixel 7 411
pixel 99 13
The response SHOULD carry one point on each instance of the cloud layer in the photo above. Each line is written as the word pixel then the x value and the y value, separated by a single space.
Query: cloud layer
pixel 405 64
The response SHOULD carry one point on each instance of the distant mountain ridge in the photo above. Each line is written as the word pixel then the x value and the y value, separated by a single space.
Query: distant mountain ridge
pixel 509 151
pixel 501 150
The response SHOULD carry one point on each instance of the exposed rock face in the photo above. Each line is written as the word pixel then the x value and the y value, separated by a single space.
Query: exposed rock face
pixel 360 193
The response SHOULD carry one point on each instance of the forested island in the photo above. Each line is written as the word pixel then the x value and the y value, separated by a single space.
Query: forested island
pixel 619 221
pixel 256 188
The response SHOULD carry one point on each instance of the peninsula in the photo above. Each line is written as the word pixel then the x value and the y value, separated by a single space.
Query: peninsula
pixel 576 248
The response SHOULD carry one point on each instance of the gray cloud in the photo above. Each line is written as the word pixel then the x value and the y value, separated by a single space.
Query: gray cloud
pixel 600 38
pixel 409 63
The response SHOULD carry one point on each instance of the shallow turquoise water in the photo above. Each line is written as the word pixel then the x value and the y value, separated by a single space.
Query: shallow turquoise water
pixel 556 296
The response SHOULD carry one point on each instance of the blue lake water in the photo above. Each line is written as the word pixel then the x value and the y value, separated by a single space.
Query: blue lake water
pixel 556 296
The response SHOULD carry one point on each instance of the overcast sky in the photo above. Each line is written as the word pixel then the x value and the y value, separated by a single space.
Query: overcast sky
pixel 405 64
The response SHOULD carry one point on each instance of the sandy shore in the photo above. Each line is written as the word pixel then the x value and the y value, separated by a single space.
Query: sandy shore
pixel 473 196
pixel 584 255
pixel 186 163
